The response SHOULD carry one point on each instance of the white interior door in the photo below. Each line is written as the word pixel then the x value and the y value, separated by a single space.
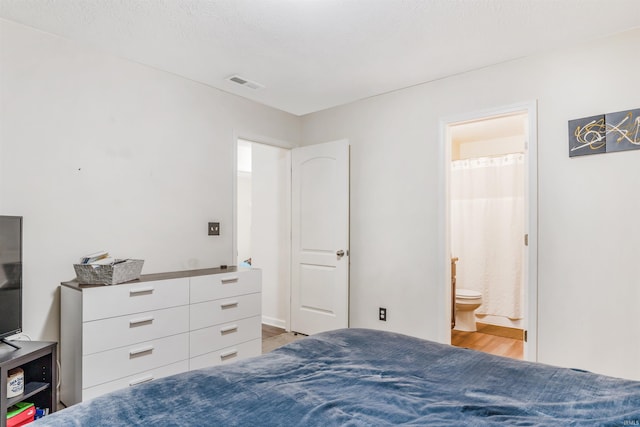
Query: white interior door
pixel 320 237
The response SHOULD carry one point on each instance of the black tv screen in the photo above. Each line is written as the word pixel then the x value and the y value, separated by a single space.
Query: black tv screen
pixel 10 275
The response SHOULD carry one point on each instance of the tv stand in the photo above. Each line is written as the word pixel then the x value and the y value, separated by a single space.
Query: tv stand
pixel 7 342
pixel 38 361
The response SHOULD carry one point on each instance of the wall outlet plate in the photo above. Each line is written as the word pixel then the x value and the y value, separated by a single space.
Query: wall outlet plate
pixel 214 229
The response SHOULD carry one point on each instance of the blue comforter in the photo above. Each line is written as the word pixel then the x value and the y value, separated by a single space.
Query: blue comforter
pixel 358 377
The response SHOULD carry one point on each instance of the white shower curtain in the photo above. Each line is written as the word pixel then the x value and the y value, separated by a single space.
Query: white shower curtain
pixel 487 229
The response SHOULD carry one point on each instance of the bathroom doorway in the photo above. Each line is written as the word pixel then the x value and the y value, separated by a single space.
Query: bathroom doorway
pixel 489 223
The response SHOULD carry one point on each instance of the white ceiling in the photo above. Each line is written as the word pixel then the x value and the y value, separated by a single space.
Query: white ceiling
pixel 316 54
pixel 489 128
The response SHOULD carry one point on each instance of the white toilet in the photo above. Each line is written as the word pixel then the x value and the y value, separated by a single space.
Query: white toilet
pixel 466 303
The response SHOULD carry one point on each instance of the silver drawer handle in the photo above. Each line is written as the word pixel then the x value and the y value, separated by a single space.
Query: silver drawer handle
pixel 229 329
pixel 139 321
pixel 138 291
pixel 141 380
pixel 229 280
pixel 140 351
pixel 231 304
pixel 228 354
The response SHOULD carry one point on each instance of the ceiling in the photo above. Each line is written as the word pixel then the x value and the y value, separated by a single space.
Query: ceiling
pixel 315 54
pixel 489 128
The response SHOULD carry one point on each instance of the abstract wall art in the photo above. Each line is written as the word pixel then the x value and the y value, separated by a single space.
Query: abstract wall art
pixel 587 136
pixel 623 130
pixel 605 133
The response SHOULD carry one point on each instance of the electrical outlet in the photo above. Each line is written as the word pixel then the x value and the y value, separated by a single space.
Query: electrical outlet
pixel 382 314
pixel 214 229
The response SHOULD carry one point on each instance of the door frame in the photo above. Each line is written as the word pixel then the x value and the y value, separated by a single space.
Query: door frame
pixel 274 142
pixel 531 221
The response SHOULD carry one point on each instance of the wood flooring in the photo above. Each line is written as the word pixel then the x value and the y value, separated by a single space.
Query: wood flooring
pixel 269 331
pixel 496 340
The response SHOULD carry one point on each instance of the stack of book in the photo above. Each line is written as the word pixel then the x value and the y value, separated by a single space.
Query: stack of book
pixel 97 258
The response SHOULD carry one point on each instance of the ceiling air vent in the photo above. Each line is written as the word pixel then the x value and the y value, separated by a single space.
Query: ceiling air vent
pixel 244 82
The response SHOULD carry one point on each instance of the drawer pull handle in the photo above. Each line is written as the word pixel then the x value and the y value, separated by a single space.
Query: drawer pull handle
pixel 140 291
pixel 141 380
pixel 230 304
pixel 228 354
pixel 140 351
pixel 141 321
pixel 229 330
pixel 229 280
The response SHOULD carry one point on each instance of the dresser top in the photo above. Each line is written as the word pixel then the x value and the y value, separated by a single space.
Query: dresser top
pixel 161 276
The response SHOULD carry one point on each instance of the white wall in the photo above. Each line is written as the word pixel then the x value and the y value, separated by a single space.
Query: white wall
pixel 243 201
pixel 243 216
pixel 588 234
pixel 264 223
pixel 271 229
pixel 102 153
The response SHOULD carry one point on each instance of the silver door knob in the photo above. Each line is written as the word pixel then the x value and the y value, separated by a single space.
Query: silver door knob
pixel 340 253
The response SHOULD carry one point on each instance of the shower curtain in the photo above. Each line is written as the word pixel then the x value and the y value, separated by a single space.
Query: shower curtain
pixel 487 229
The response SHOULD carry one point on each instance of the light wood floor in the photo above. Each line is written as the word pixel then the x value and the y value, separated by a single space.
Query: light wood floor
pixel 269 331
pixel 488 340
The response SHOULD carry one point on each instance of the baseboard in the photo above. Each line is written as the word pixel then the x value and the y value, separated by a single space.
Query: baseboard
pixel 278 323
pixel 500 331
pixel 499 321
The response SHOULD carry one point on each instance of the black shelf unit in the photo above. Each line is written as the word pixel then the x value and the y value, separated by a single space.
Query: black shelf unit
pixel 38 360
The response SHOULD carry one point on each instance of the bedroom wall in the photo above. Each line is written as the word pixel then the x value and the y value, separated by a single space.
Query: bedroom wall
pixel 588 234
pixel 102 153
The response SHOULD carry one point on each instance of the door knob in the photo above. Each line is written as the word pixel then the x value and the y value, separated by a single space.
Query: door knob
pixel 340 253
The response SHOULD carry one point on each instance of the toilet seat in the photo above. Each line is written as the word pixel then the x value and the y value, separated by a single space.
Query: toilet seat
pixel 467 294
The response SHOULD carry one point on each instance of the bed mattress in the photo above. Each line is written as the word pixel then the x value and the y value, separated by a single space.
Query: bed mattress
pixel 360 377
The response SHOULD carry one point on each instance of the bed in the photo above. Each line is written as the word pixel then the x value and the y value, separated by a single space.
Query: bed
pixel 361 377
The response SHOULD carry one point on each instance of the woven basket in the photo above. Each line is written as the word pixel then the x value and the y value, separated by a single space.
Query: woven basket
pixel 120 272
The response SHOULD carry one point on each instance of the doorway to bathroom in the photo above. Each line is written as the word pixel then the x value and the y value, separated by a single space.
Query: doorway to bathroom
pixel 490 229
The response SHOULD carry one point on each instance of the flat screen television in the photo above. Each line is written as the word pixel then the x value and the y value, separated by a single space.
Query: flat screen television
pixel 10 276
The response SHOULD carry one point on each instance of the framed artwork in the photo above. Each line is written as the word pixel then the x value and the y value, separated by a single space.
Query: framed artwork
pixel 587 136
pixel 623 130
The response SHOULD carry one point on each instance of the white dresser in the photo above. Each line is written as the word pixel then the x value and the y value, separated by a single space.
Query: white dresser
pixel 162 324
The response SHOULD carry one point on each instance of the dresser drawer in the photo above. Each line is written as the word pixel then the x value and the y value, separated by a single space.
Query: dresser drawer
pixel 227 355
pixel 216 286
pixel 225 310
pixel 105 334
pixel 224 335
pixel 117 300
pixel 132 381
pixel 99 368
